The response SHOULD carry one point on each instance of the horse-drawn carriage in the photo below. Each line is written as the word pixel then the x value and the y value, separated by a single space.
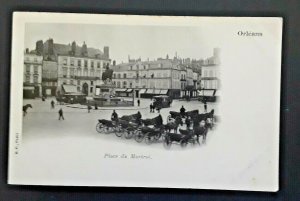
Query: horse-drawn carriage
pixel 149 134
pixel 186 137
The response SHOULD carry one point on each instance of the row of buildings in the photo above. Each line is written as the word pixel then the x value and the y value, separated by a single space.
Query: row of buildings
pixel 52 69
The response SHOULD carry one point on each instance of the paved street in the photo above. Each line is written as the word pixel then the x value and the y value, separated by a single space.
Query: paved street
pixel 42 119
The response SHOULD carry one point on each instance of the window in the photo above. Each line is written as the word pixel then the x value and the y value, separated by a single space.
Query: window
pixel 35 79
pixel 130 84
pixel 130 67
pixel 78 88
pixel 72 62
pixel 35 59
pixel 92 83
pixel 72 72
pixel 27 68
pixel 27 58
pixel 71 81
pixel 36 70
pixel 65 61
pixel 85 72
pixel 27 78
pixel 92 73
pixel 124 84
pixel 78 82
pixel 79 72
pixel 144 67
pixel 114 76
pixel 205 73
pixel 98 64
pixel 91 90
pixel 119 76
pixel 118 84
pixel 65 71
pixel 92 64
pixel 79 62
pixel 85 63
pixel 210 73
pixel 124 75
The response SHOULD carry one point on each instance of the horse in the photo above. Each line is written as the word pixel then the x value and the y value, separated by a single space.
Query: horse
pixel 25 107
pixel 201 131
pixel 174 124
pixel 132 118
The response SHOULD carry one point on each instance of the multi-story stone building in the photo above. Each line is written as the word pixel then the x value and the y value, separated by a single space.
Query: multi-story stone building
pixel 149 78
pixel 32 79
pixel 71 68
pixel 210 71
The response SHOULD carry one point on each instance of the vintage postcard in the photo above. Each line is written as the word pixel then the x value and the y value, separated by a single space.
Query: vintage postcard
pixel 145 101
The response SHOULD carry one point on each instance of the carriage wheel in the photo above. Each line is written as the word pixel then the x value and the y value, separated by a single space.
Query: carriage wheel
pixel 129 134
pixel 119 132
pixel 167 143
pixel 100 128
pixel 149 139
pixel 183 143
pixel 139 137
pixel 157 137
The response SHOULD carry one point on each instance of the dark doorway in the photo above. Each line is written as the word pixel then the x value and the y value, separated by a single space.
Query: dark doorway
pixel 85 88
pixel 137 93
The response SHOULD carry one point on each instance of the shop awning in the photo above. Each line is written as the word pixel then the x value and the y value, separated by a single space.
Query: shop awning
pixel 150 91
pixel 28 88
pixel 163 91
pixel 156 91
pixel 129 90
pixel 207 92
pixel 69 88
pixel 120 90
pixel 142 91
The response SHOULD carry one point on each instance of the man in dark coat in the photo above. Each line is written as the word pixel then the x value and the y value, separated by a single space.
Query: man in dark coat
pixel 52 104
pixel 138 102
pixel 159 121
pixel 182 111
pixel 61 114
pixel 114 116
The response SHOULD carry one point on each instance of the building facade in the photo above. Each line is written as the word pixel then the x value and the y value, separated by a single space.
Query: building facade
pixel 32 80
pixel 79 67
pixel 210 71
pixel 158 77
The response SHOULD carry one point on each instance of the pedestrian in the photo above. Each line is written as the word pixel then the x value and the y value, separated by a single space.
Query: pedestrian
pixel 188 122
pixel 151 107
pixel 138 102
pixel 159 121
pixel 89 108
pixel 138 118
pixel 182 111
pixel 158 107
pixel 205 106
pixel 96 106
pixel 61 114
pixel 114 116
pixel 52 104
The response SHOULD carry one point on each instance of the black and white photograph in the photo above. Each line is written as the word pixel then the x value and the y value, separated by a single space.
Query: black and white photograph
pixel 145 101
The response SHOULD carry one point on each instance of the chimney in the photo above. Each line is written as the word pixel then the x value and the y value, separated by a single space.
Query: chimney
pixel 26 50
pixel 106 52
pixel 50 47
pixel 39 47
pixel 114 62
pixel 84 50
pixel 73 48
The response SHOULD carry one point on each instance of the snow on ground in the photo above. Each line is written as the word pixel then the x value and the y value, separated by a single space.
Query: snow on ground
pixel 72 152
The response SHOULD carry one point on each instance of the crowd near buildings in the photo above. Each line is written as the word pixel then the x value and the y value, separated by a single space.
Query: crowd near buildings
pixel 53 69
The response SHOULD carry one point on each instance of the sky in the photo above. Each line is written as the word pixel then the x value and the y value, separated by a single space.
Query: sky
pixel 137 41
